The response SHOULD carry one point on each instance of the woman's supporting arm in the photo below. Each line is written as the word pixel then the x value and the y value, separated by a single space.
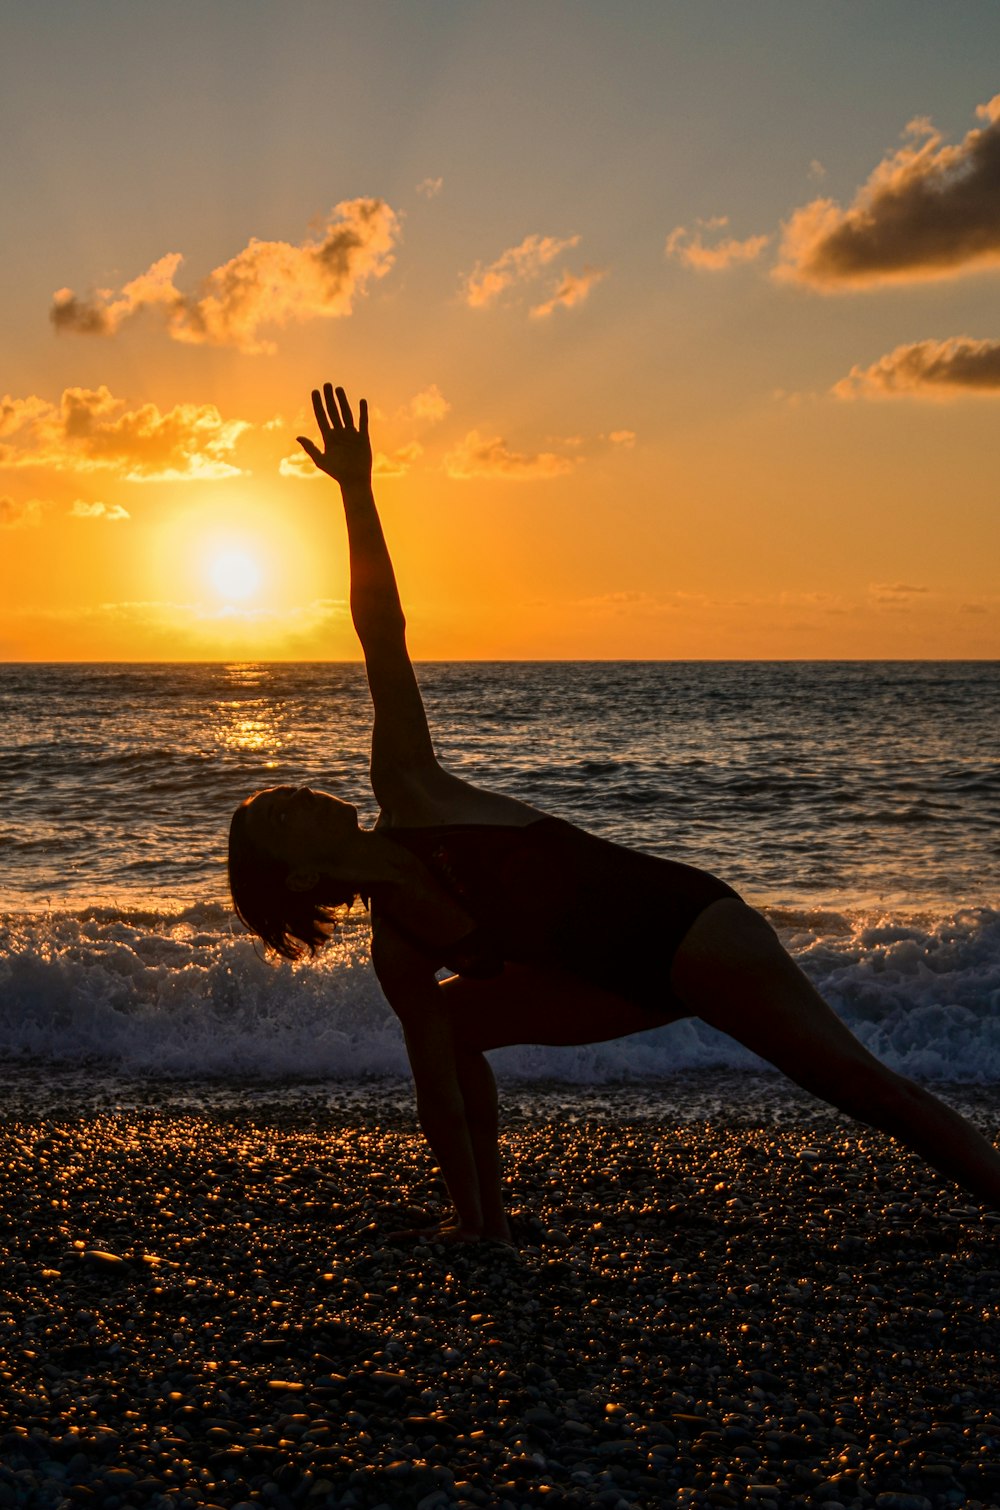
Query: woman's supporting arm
pixel 414 995
pixel 401 739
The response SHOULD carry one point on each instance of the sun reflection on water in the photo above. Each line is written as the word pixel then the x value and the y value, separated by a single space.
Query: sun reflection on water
pixel 253 725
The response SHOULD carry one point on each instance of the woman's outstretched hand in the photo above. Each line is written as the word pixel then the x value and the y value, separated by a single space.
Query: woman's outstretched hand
pixel 346 453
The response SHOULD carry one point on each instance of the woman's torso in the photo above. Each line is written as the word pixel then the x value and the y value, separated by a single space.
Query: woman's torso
pixel 547 894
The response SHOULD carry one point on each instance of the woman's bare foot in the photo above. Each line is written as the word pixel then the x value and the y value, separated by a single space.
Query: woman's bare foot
pixel 452 1232
pixel 417 1234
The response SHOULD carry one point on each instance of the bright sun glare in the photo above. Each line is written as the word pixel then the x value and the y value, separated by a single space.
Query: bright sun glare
pixel 234 574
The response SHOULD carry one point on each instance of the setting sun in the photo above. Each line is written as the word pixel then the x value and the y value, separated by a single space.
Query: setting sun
pixel 235 574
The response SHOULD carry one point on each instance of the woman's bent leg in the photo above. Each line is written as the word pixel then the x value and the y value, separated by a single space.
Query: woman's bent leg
pixel 519 1006
pixel 732 972
pixel 479 1095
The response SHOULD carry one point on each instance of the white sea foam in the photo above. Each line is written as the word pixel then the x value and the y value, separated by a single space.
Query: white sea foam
pixel 181 994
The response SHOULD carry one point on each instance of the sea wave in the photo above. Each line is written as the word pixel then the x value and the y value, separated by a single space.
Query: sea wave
pixel 183 993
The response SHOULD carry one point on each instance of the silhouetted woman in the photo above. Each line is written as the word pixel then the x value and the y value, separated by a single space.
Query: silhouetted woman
pixel 515 902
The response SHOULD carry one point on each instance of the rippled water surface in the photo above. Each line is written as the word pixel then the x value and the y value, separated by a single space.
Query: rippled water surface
pixel 793 781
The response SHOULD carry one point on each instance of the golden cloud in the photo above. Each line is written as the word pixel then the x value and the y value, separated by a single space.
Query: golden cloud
pixel 490 456
pixel 267 283
pixel 927 211
pixel 91 430
pixel 112 513
pixel 16 413
pixel 573 288
pixel 689 246
pixel 430 188
pixel 299 465
pixel 428 406
pixel 398 462
pixel 928 369
pixel 517 264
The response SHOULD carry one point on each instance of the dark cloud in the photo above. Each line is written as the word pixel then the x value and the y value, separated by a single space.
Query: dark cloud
pixel 929 369
pixel 928 210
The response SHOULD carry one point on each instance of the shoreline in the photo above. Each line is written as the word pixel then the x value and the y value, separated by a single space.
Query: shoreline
pixel 725 1294
pixel 34 1089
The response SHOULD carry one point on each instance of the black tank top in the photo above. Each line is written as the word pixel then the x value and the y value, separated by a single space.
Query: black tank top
pixel 552 895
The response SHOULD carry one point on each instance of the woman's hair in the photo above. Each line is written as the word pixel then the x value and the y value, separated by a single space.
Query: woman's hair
pixel 291 923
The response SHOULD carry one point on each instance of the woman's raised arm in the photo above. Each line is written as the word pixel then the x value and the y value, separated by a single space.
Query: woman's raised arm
pixel 401 740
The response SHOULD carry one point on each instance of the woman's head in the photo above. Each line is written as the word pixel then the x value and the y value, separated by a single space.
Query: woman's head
pixel 285 875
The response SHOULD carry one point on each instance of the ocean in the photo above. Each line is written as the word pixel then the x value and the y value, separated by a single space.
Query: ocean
pixel 855 803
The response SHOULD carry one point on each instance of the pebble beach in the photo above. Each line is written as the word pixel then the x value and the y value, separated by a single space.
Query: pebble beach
pixel 722 1294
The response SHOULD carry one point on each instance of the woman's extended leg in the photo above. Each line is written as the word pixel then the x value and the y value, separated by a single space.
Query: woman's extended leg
pixel 732 972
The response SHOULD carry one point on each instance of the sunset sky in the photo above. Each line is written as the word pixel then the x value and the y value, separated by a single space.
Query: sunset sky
pixel 680 325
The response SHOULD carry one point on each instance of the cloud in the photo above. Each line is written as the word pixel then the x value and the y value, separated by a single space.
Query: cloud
pixel 91 430
pixel 16 413
pixel 149 629
pixel 490 456
pixel 895 595
pixel 928 369
pixel 399 462
pixel 927 211
pixel 393 464
pixel 631 603
pixel 689 246
pixel 430 187
pixel 517 264
pixel 16 515
pixel 299 465
pixel 638 604
pixel 573 288
pixel 626 438
pixel 267 283
pixel 103 312
pixel 429 405
pixel 111 512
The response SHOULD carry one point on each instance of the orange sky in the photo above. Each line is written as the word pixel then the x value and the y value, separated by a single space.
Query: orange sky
pixel 673 361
